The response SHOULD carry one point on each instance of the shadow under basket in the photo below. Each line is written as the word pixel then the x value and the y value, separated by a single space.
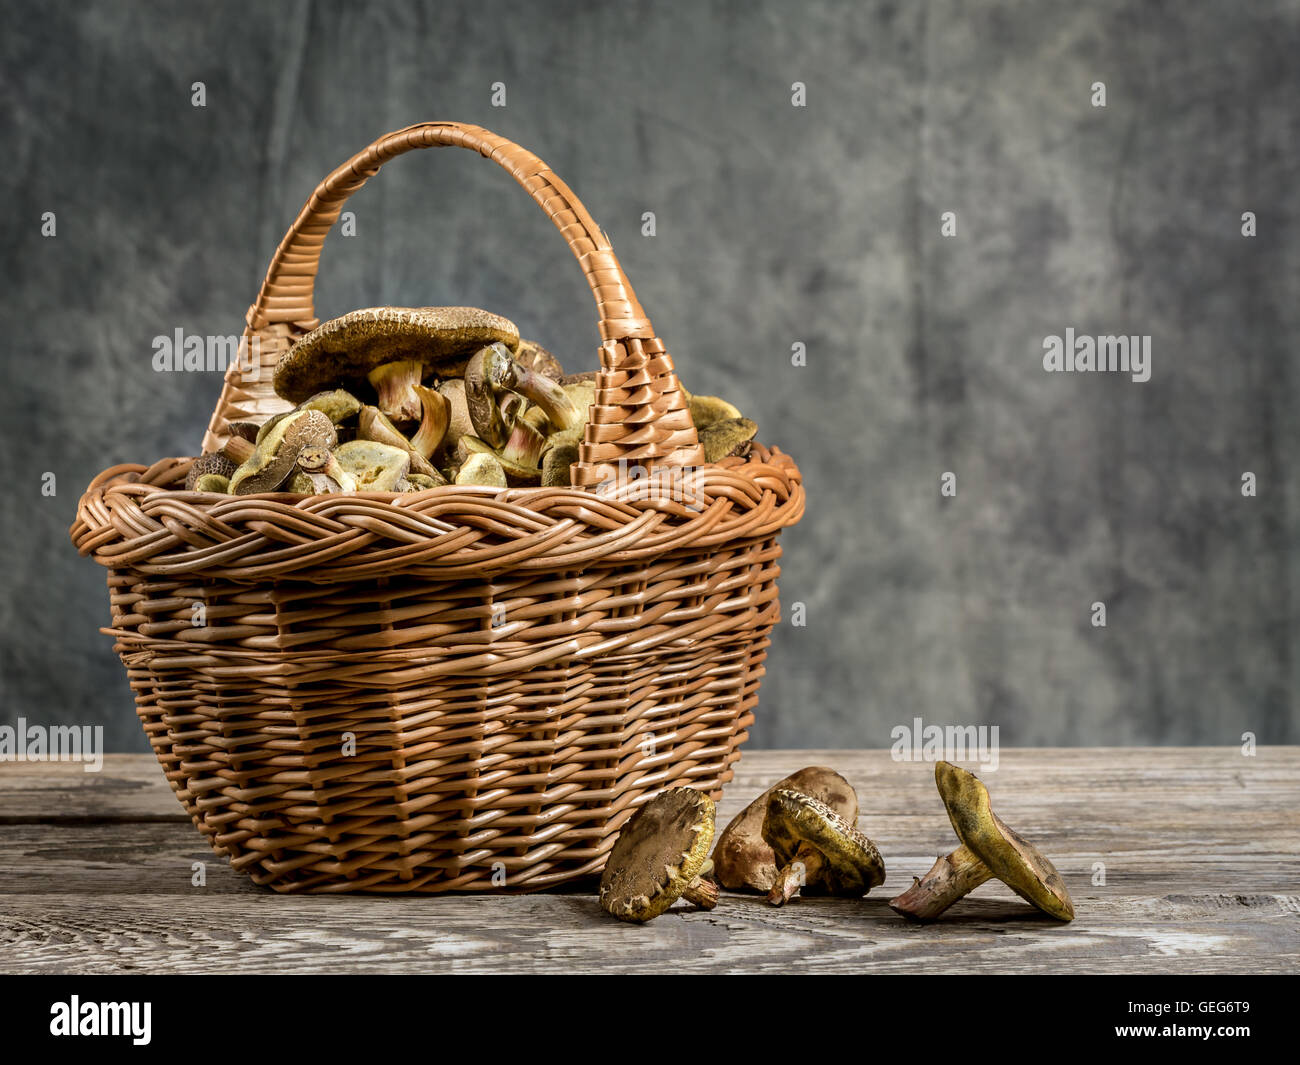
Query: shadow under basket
pixel 460 689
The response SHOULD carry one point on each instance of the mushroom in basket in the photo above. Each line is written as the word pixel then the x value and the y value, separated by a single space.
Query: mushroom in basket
pixel 503 428
pixel 392 348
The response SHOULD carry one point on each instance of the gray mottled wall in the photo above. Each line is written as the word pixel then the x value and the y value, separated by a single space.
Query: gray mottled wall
pixel 776 225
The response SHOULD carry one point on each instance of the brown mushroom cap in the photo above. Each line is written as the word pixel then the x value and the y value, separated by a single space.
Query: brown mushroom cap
pixel 212 464
pixel 659 852
pixel 346 349
pixel 795 824
pixel 743 860
pixel 1012 859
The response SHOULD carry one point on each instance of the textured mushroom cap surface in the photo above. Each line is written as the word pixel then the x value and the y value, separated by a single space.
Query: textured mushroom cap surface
pixel 1013 860
pixel 743 860
pixel 660 850
pixel 212 464
pixel 347 348
pixel 533 356
pixel 853 865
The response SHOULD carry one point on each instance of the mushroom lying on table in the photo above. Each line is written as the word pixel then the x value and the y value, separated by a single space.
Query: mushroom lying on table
pixel 818 849
pixel 989 850
pixel 392 348
pixel 660 856
pixel 743 860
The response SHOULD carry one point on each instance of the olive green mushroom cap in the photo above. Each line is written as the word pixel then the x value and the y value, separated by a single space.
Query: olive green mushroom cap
pixel 852 865
pixel 661 849
pixel 1012 859
pixel 346 349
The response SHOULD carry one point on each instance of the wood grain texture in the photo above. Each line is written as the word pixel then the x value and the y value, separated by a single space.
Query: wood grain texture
pixel 1201 848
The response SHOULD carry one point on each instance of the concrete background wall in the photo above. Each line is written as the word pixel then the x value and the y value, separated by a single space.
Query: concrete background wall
pixel 775 225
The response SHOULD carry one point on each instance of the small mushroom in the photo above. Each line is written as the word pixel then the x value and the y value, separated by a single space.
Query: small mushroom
pixel 392 348
pixel 742 859
pixel 661 855
pixel 482 469
pixel 730 437
pixel 322 465
pixel 274 459
pixel 492 371
pixel 435 417
pixel 815 847
pixel 989 850
pixel 375 467
pixel 373 424
pixel 213 464
pixel 707 410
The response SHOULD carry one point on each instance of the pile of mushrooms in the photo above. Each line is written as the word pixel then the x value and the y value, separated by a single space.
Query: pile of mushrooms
pixel 403 399
pixel 801 837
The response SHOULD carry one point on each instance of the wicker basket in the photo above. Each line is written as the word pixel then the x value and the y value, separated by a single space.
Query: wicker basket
pixel 464 689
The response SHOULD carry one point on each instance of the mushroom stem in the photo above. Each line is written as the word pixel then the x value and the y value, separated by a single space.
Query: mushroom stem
pixel 703 892
pixel 803 869
pixel 395 384
pixel 952 877
pixel 562 412
pixel 238 450
pixel 524 446
pixel 433 424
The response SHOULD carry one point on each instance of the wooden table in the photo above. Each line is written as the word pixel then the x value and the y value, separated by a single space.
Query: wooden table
pixel 1200 847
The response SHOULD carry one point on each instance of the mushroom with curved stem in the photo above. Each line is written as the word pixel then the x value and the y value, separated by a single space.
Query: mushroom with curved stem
pixel 390 347
pixel 321 462
pixel 815 847
pixel 434 419
pixel 373 424
pixel 743 860
pixel 989 850
pixel 661 855
pixel 491 371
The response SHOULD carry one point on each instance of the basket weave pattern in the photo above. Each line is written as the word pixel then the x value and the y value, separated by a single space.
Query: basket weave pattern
pixel 462 688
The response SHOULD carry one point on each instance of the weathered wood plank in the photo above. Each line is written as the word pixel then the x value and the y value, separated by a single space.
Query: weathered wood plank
pixel 1201 850
pixel 1203 933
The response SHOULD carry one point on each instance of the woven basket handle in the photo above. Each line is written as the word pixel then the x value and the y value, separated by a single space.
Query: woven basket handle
pixel 640 416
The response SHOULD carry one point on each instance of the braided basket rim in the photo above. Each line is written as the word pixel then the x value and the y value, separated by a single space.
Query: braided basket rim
pixel 132 517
